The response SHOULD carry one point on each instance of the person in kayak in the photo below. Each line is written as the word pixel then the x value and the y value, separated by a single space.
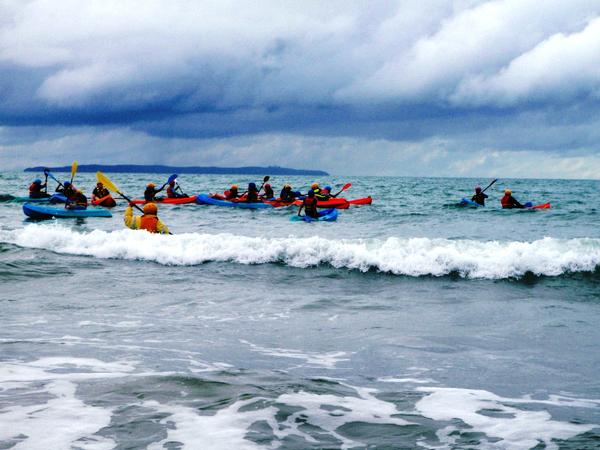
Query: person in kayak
pixel 99 193
pixel 79 201
pixel 309 204
pixel 324 194
pixel 172 191
pixel 35 189
pixel 252 194
pixel 269 194
pixel 149 221
pixel 509 202
pixel 287 195
pixel 232 193
pixel 479 196
pixel 68 190
pixel 151 191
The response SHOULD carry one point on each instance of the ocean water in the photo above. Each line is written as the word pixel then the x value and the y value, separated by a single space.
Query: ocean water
pixel 410 323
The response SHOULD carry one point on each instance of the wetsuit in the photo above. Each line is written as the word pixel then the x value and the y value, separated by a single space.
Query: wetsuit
pixel 287 195
pixel 100 193
pixel 479 198
pixel 509 202
pixel 269 192
pixel 150 193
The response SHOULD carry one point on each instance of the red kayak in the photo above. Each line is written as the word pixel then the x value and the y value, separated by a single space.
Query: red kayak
pixel 169 201
pixel 106 201
pixel 338 203
pixel 361 201
pixel 542 206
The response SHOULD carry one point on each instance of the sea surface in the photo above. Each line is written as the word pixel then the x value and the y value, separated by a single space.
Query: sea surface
pixel 407 324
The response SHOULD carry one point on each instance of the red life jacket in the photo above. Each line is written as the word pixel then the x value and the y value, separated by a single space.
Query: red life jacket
pixel 506 203
pixel 35 188
pixel 310 203
pixel 149 223
pixel 171 192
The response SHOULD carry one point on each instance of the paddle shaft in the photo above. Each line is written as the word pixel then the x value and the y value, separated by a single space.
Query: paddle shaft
pixel 489 185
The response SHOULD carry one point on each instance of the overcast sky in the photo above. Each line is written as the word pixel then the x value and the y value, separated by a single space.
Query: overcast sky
pixel 410 87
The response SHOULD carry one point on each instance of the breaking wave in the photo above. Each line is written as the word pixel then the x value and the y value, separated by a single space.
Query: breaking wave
pixel 399 256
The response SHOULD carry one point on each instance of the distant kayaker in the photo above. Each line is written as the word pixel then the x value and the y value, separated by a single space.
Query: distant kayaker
pixel 172 191
pixel 232 193
pixel 287 195
pixel 151 191
pixel 509 202
pixel 309 204
pixel 252 194
pixel 101 196
pixel 149 221
pixel 268 191
pixel 35 189
pixel 479 196
pixel 79 201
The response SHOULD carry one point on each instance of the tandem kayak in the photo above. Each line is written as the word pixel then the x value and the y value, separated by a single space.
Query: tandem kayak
pixel 204 199
pixel 48 212
pixel 471 203
pixel 168 201
pixel 327 215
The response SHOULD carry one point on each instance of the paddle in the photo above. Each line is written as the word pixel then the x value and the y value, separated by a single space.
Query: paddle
pixel 112 187
pixel 265 179
pixel 346 186
pixel 46 181
pixel 73 170
pixel 169 180
pixel 489 185
pixel 53 177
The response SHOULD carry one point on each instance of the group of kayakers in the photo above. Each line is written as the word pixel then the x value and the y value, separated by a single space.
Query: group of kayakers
pixel 507 202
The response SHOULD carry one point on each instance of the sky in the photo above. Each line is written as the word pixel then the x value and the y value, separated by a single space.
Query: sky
pixel 503 88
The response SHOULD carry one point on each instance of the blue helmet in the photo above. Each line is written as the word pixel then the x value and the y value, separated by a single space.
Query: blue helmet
pixel 327 188
pixel 311 193
pixel 251 186
pixel 67 184
pixel 37 181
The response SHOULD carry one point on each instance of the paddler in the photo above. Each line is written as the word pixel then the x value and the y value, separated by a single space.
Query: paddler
pixel 68 190
pixel 269 194
pixel 479 196
pixel 99 193
pixel 172 191
pixel 287 195
pixel 151 191
pixel 508 201
pixel 309 204
pixel 252 194
pixel 232 193
pixel 35 189
pixel 79 201
pixel 149 221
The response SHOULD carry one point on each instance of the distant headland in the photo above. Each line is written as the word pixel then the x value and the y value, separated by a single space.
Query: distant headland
pixel 135 168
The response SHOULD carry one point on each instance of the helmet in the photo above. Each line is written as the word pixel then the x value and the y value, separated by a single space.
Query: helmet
pixel 37 181
pixel 507 191
pixel 478 189
pixel 150 185
pixel 233 186
pixel 314 186
pixel 267 185
pixel 67 184
pixel 150 208
pixel 311 193
pixel 251 186
pixel 327 188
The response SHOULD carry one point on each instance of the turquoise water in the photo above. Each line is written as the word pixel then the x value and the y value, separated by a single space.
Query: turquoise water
pixel 410 323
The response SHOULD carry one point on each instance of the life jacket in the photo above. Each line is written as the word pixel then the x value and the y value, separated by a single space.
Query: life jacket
pixel 171 192
pixel 149 223
pixel 100 193
pixel 506 201
pixel 231 194
pixel 252 197
pixel 35 188
pixel 310 203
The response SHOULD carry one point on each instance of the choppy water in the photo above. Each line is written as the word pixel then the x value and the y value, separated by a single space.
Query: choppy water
pixel 409 323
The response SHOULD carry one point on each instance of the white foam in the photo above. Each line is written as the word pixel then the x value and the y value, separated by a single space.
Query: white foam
pixel 327 360
pixel 411 257
pixel 406 380
pixel 515 428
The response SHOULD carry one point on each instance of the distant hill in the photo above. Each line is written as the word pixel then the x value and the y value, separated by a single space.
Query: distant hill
pixel 134 168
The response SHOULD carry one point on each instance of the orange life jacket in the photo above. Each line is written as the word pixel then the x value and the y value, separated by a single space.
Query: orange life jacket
pixel 506 203
pixel 35 188
pixel 149 223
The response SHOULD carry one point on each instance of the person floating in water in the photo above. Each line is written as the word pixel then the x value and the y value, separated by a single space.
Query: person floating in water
pixel 479 196
pixel 149 221
pixel 509 202
pixel 35 189
pixel 309 204
pixel 151 191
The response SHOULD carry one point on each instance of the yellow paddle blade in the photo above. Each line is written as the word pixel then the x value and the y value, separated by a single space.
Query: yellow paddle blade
pixel 106 182
pixel 73 170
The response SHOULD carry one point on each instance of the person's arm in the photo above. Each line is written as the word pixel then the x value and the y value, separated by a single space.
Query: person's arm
pixel 130 220
pixel 157 191
pixel 516 203
pixel 162 228
pixel 300 209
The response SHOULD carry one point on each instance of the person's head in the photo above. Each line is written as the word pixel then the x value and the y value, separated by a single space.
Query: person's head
pixel 99 185
pixel 150 186
pixel 233 187
pixel 311 193
pixel 67 184
pixel 267 186
pixel 37 181
pixel 507 192
pixel 287 187
pixel 252 186
pixel 150 208
pixel 478 189
pixel 327 188
pixel 314 186
pixel 172 183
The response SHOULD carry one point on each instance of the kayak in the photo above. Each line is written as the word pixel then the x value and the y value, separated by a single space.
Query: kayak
pixel 48 212
pixel 340 203
pixel 361 201
pixel 31 200
pixel 58 198
pixel 529 205
pixel 471 203
pixel 168 201
pixel 205 199
pixel 107 201
pixel 327 215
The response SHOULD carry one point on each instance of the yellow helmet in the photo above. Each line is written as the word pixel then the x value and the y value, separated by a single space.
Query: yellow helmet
pixel 507 191
pixel 150 185
pixel 314 186
pixel 233 186
pixel 150 208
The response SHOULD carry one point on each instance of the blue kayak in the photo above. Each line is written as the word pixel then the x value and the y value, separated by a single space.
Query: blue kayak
pixel 471 203
pixel 327 215
pixel 31 200
pixel 36 211
pixel 204 199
